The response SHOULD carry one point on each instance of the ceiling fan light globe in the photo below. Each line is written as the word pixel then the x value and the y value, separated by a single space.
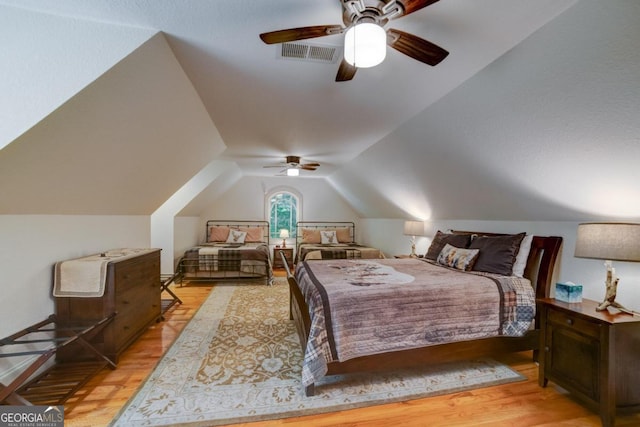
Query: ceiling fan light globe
pixel 365 45
pixel 293 172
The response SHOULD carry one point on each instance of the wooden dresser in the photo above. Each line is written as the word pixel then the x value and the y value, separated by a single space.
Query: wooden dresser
pixel 593 354
pixel 132 291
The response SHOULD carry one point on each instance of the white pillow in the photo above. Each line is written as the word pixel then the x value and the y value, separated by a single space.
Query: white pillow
pixel 523 253
pixel 236 236
pixel 328 237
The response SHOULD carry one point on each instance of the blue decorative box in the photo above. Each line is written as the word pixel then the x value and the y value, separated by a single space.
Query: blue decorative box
pixel 568 292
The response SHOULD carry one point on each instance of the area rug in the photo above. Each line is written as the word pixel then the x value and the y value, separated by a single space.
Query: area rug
pixel 239 360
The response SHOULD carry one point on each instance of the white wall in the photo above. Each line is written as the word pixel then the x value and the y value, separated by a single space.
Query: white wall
pixel 32 244
pixel 246 200
pixel 547 132
pixel 187 232
pixel 387 235
pixel 162 220
pixel 121 146
pixel 46 59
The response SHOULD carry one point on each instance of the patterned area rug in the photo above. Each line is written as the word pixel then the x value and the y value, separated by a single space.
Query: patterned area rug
pixel 239 360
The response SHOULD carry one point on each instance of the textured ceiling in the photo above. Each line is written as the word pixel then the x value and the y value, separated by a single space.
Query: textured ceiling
pixel 532 117
pixel 266 108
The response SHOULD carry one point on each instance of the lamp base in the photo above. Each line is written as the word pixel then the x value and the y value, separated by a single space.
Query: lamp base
pixel 606 304
pixel 284 244
pixel 413 253
pixel 610 297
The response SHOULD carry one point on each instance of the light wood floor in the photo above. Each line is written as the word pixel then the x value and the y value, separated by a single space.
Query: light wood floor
pixel 518 404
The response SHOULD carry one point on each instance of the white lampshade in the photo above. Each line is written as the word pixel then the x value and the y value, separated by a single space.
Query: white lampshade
pixel 365 45
pixel 414 228
pixel 613 241
pixel 284 233
pixel 293 172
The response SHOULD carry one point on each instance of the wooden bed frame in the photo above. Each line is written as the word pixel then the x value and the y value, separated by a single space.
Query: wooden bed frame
pixel 539 270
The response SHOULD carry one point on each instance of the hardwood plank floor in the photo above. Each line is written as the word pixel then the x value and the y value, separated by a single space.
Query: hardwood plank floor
pixel 518 404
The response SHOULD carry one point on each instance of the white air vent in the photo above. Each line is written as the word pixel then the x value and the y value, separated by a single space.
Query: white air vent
pixel 309 52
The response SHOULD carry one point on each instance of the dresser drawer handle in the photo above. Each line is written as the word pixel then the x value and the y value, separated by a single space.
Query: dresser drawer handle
pixel 570 322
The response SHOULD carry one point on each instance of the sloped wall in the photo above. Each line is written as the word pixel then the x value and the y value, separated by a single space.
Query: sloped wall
pixel 141 122
pixel 47 59
pixel 87 177
pixel 163 232
pixel 547 132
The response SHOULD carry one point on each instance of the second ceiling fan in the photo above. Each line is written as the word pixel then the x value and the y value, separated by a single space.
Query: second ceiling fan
pixel 374 14
pixel 293 164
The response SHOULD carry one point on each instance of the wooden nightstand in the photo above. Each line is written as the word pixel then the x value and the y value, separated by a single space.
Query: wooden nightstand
pixel 592 354
pixel 277 260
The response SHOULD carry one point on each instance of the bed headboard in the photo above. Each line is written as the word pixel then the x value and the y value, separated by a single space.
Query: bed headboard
pixel 541 262
pixel 325 225
pixel 263 225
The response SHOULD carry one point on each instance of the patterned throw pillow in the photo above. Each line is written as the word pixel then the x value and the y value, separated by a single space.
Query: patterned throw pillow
pixel 459 258
pixel 328 237
pixel 236 236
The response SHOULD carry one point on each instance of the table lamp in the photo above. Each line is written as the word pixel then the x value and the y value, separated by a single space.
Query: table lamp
pixel 413 229
pixel 284 235
pixel 609 241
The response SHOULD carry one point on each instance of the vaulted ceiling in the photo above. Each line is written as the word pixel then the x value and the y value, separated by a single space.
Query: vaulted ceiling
pixel 532 116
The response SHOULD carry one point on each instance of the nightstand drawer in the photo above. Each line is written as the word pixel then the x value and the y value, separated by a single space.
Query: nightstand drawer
pixel 574 322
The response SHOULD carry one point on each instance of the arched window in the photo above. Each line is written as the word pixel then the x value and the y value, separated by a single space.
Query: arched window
pixel 283 213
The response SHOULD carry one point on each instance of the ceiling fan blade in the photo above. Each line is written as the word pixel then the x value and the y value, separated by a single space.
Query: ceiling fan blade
pixel 415 47
pixel 308 168
pixel 301 33
pixel 411 6
pixel 312 164
pixel 345 72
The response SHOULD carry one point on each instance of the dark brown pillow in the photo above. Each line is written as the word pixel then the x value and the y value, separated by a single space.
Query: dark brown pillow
pixel 497 253
pixel 441 239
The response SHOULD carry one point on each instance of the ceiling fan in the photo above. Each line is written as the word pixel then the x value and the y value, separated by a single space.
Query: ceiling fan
pixel 292 166
pixel 356 13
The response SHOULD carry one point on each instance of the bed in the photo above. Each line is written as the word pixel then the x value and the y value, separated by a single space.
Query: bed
pixel 330 324
pixel 330 240
pixel 232 251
